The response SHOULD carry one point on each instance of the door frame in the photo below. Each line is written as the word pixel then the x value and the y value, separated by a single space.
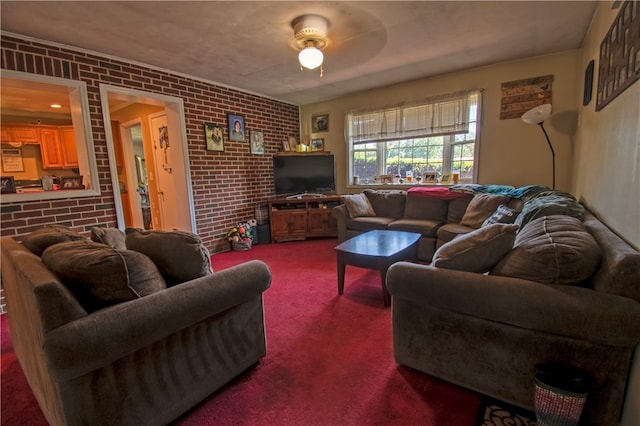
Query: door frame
pixel 174 109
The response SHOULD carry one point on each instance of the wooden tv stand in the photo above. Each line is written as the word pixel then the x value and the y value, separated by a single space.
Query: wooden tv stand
pixel 302 217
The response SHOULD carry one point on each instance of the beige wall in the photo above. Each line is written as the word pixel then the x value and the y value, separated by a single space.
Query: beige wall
pixel 511 152
pixel 597 153
pixel 606 174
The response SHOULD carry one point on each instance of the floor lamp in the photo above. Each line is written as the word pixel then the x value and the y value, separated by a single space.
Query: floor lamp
pixel 537 115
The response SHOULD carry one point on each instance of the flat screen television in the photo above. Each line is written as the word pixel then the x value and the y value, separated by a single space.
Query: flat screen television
pixel 306 173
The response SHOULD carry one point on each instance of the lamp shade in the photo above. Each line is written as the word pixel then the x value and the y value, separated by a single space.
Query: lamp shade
pixel 310 57
pixel 537 115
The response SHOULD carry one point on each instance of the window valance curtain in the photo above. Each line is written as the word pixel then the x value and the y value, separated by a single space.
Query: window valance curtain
pixel 442 115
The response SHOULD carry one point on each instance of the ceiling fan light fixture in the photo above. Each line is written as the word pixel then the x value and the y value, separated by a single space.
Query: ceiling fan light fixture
pixel 310 57
pixel 310 33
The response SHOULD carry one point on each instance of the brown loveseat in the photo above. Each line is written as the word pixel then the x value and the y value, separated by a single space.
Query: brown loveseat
pixel 546 300
pixel 120 339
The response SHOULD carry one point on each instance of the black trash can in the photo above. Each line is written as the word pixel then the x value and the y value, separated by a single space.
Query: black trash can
pixel 560 395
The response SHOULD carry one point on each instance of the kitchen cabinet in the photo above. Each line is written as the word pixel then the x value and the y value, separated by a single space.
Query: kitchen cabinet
pixel 68 147
pixel 20 134
pixel 50 148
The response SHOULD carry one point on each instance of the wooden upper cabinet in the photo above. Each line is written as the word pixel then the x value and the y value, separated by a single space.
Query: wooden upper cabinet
pixel 68 147
pixel 24 134
pixel 50 148
pixel 5 135
pixel 20 134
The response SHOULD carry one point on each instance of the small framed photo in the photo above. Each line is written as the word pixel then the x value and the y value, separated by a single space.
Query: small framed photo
pixel 317 144
pixel 257 142
pixel 430 177
pixel 8 185
pixel 293 143
pixel 71 182
pixel 285 145
pixel 214 136
pixel 320 123
pixel 386 178
pixel 236 127
pixel 446 178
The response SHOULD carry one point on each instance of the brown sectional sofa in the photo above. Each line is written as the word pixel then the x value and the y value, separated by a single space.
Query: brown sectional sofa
pixel 437 217
pixel 116 336
pixel 557 286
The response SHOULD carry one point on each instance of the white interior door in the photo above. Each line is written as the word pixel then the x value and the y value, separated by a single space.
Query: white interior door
pixel 165 163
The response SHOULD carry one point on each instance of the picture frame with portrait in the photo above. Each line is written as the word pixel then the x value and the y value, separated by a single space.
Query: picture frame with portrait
pixel 214 137
pixel 71 182
pixel 320 123
pixel 8 185
pixel 257 142
pixel 430 177
pixel 236 127
pixel 445 178
pixel 285 145
pixel 317 144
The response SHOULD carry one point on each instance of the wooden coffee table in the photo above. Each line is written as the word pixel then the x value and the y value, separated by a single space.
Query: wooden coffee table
pixel 376 250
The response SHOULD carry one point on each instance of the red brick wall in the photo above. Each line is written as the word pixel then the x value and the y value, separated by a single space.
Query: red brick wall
pixel 226 185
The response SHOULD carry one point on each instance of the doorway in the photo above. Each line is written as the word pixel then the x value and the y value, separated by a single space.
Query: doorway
pixel 156 192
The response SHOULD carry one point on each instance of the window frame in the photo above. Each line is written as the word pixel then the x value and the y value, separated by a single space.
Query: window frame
pixel 449 141
pixel 81 121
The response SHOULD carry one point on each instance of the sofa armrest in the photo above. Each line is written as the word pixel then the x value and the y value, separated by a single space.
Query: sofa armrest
pixel 109 334
pixel 565 310
pixel 341 214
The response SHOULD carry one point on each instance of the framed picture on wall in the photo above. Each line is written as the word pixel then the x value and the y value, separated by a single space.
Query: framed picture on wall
pixel 257 142
pixel 317 144
pixel 236 127
pixel 214 137
pixel 320 123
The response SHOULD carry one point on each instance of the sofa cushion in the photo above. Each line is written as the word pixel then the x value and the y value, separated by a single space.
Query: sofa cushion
pixel 179 256
pixel 457 208
pixel 427 228
pixel 548 203
pixel 387 203
pixel 426 208
pixel 503 214
pixel 112 237
pixel 38 240
pixel 368 223
pixel 358 205
pixel 481 207
pixel 449 231
pixel 477 251
pixel 553 250
pixel 99 275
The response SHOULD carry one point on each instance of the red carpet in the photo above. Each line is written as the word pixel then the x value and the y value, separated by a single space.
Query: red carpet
pixel 329 357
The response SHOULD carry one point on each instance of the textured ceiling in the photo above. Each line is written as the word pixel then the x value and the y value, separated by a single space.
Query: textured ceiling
pixel 247 45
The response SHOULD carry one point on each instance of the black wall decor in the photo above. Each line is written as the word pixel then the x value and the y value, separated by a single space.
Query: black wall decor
pixel 619 64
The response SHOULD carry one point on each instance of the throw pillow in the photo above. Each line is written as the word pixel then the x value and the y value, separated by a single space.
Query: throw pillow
pixel 38 240
pixel 477 251
pixel 358 205
pixel 552 250
pixel 179 256
pixel 100 276
pixel 549 203
pixel 111 237
pixel 503 214
pixel 480 208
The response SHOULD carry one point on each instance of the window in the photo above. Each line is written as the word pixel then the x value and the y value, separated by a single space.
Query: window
pixel 46 144
pixel 436 136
